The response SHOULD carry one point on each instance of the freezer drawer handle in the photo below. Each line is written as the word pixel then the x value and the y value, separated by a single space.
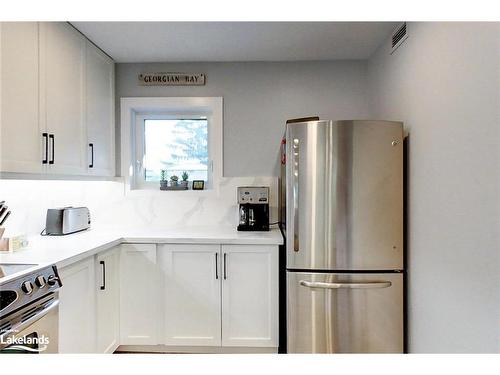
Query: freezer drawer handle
pixel 369 285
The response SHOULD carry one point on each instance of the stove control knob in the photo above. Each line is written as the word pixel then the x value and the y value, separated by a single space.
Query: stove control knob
pixel 53 279
pixel 40 281
pixel 27 287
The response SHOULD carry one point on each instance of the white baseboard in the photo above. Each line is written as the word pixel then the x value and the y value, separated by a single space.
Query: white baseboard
pixel 193 349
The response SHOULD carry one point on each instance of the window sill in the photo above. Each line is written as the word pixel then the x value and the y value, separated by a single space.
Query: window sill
pixel 150 192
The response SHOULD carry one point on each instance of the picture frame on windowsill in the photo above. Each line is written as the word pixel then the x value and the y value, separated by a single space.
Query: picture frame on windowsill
pixel 198 185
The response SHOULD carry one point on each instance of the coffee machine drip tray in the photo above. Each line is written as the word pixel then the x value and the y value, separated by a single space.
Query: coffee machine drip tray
pixel 253 212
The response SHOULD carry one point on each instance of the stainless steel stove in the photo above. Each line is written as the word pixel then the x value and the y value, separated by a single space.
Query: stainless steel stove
pixel 29 308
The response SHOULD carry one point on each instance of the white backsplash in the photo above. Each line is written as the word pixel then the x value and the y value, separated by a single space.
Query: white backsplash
pixel 110 207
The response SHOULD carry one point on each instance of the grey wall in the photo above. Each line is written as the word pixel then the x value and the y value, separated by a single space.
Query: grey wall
pixel 444 84
pixel 258 99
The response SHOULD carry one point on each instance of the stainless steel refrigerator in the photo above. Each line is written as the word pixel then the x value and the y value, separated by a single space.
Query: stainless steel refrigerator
pixel 342 215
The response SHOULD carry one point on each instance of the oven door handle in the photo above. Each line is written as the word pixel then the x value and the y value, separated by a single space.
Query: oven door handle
pixel 27 323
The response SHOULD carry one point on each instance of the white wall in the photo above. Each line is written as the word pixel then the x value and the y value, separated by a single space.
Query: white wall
pixel 443 82
pixel 258 99
pixel 111 208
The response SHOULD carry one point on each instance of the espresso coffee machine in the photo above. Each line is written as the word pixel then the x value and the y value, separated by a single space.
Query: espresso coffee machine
pixel 253 208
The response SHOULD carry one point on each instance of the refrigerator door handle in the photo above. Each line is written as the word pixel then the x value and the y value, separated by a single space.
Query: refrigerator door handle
pixel 368 285
pixel 295 177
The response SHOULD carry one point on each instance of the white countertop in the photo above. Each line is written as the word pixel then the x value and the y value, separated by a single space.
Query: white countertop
pixel 65 250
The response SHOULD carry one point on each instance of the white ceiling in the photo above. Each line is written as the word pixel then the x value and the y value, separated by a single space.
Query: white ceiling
pixel 236 41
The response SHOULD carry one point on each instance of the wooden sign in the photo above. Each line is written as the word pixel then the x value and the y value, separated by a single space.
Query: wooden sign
pixel 171 79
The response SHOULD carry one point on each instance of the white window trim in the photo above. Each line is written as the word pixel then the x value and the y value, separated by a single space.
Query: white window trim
pixel 133 108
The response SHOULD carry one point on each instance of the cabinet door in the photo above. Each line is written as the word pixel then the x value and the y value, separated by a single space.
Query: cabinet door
pixel 100 112
pixel 191 294
pixel 139 295
pixel 62 80
pixel 21 143
pixel 77 328
pixel 108 300
pixel 250 295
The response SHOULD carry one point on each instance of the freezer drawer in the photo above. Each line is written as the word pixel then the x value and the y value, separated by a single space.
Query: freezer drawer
pixel 345 313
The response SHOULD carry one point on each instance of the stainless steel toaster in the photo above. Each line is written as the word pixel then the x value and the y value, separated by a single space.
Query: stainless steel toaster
pixel 66 220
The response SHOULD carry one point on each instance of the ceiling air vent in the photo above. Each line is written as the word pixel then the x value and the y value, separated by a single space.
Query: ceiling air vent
pixel 398 37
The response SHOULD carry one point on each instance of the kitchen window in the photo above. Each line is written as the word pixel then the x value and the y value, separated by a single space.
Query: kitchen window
pixel 172 136
pixel 174 145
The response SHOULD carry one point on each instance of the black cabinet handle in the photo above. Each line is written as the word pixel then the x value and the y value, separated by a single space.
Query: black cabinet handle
pixel 225 275
pixel 46 156
pixel 216 266
pixel 103 264
pixel 91 165
pixel 51 136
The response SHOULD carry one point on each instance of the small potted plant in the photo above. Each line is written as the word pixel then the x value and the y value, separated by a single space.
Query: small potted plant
pixel 184 182
pixel 174 180
pixel 163 180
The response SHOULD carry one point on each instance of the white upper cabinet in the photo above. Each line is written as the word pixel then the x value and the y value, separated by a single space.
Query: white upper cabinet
pixel 100 112
pixel 57 99
pixel 21 142
pixel 191 294
pixel 250 295
pixel 62 90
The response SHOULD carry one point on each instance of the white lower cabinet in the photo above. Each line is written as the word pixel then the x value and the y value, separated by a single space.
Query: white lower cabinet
pixel 89 305
pixel 220 295
pixel 77 323
pixel 108 300
pixel 140 295
pixel 191 294
pixel 177 295
pixel 250 296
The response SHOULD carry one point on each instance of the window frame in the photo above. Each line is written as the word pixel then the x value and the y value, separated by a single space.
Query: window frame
pixel 133 113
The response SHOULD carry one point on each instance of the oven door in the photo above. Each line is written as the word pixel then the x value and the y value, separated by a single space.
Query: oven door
pixel 36 332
